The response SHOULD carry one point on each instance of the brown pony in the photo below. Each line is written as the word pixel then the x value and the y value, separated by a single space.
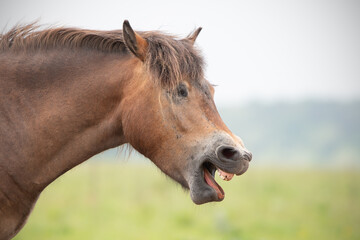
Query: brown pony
pixel 67 94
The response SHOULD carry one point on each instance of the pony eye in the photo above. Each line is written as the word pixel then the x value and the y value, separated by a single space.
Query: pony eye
pixel 182 91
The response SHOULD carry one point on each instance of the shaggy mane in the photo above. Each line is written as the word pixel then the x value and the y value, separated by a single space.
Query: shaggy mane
pixel 168 57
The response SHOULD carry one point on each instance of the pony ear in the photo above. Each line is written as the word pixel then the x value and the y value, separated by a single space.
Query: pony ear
pixel 134 42
pixel 192 36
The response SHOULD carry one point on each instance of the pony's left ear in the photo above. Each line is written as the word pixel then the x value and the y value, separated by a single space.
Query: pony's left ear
pixel 192 36
pixel 134 42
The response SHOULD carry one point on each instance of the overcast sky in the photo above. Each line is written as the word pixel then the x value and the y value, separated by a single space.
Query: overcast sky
pixel 255 50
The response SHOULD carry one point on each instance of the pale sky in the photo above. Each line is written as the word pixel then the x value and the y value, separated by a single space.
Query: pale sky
pixel 255 50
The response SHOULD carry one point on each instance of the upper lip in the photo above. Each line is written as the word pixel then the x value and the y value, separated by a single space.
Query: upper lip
pixel 235 167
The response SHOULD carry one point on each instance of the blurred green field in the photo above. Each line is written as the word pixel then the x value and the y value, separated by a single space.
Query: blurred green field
pixel 136 201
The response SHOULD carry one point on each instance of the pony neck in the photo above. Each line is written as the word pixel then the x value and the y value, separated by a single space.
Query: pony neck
pixel 64 107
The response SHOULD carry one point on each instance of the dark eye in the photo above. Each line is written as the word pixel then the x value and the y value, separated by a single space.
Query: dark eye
pixel 182 91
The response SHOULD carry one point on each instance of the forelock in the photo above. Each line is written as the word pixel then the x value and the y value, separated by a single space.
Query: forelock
pixel 172 60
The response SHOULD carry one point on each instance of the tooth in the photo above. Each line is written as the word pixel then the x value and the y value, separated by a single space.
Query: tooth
pixel 224 175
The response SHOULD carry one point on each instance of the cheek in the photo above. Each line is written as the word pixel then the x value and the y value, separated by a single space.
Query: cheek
pixel 142 123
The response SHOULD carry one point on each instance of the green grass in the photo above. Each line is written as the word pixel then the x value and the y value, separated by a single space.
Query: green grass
pixel 128 201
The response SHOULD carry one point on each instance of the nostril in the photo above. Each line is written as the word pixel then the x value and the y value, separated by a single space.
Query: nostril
pixel 248 156
pixel 228 153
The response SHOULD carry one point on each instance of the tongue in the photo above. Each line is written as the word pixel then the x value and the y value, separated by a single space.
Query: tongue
pixel 211 182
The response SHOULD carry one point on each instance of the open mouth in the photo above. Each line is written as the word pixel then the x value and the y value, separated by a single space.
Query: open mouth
pixel 202 184
pixel 209 177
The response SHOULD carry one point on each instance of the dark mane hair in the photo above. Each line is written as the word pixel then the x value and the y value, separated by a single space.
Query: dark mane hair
pixel 168 57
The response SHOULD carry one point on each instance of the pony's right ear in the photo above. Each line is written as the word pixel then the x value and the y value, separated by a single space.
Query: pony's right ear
pixel 134 42
pixel 192 37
